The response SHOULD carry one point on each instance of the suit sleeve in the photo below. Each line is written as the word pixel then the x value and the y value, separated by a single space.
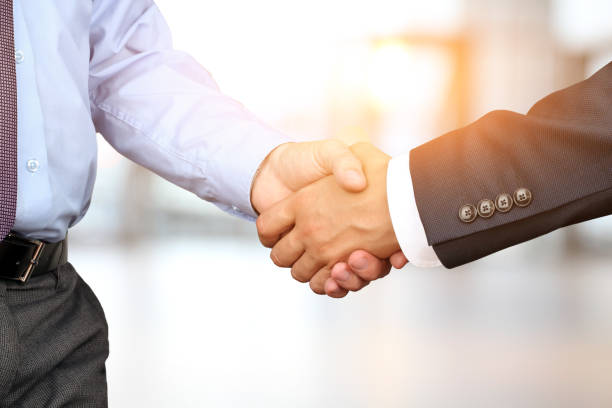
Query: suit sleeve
pixel 561 151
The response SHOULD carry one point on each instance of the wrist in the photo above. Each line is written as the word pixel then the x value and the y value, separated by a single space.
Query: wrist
pixel 405 216
pixel 393 245
pixel 376 209
pixel 261 186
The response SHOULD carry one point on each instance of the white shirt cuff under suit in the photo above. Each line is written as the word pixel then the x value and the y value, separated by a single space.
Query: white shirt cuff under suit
pixel 405 215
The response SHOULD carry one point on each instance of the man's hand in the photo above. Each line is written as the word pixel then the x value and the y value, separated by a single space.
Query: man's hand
pixel 359 270
pixel 292 166
pixel 322 224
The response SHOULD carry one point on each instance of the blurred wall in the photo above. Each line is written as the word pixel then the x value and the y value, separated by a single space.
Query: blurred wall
pixel 200 317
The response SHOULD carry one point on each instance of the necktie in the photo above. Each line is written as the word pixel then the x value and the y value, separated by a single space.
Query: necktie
pixel 8 120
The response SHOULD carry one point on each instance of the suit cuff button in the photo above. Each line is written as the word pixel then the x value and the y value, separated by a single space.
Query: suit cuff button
pixel 486 208
pixel 522 197
pixel 503 202
pixel 467 213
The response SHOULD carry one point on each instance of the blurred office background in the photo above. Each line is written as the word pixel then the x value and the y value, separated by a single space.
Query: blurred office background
pixel 199 316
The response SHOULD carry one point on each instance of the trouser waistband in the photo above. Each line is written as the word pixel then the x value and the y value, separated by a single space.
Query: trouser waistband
pixel 22 258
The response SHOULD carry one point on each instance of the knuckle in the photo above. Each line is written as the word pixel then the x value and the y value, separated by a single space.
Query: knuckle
pixel 311 228
pixel 267 240
pixel 325 252
pixel 313 234
pixel 265 237
pixel 260 224
pixel 317 255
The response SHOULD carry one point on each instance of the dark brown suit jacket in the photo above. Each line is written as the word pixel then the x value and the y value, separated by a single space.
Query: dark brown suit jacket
pixel 561 151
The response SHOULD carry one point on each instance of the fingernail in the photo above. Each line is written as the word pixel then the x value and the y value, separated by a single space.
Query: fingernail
pixel 360 264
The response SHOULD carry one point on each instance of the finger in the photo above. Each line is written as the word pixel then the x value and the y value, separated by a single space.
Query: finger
pixel 334 157
pixel 317 283
pixel 332 289
pixel 304 268
pixel 398 260
pixel 276 221
pixel 345 278
pixel 367 266
pixel 287 251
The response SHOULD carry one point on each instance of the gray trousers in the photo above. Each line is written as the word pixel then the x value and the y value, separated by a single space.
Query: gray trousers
pixel 53 343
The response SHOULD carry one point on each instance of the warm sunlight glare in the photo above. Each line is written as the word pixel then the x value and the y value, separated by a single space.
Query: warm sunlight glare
pixel 401 75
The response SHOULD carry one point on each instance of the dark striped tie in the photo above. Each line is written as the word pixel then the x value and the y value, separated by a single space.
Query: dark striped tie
pixel 8 120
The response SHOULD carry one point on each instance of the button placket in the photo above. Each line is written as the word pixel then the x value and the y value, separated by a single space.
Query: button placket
pixel 19 56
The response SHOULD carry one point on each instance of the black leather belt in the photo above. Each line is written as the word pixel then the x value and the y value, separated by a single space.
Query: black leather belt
pixel 22 258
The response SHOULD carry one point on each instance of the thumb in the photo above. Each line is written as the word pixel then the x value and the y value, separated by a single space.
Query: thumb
pixel 334 157
pixel 398 260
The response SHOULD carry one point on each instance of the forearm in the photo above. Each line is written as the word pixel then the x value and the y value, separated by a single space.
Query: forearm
pixel 561 151
pixel 162 109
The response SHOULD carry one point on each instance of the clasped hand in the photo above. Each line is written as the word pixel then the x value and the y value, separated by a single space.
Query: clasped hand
pixel 320 215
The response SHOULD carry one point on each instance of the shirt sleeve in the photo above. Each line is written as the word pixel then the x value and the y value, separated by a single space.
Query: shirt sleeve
pixel 160 108
pixel 405 215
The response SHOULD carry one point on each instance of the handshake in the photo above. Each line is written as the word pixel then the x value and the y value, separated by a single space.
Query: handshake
pixel 323 211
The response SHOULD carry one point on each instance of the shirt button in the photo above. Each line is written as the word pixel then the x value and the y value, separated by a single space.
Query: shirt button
pixel 503 202
pixel 467 213
pixel 522 197
pixel 234 208
pixel 33 165
pixel 19 56
pixel 486 208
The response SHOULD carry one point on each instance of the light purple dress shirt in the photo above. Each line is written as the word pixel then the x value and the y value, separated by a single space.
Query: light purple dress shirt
pixel 109 66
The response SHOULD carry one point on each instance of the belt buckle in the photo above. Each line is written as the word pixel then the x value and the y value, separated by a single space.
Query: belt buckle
pixel 33 263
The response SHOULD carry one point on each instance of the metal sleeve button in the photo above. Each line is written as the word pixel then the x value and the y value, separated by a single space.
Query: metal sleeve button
pixel 503 202
pixel 467 213
pixel 522 197
pixel 486 208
